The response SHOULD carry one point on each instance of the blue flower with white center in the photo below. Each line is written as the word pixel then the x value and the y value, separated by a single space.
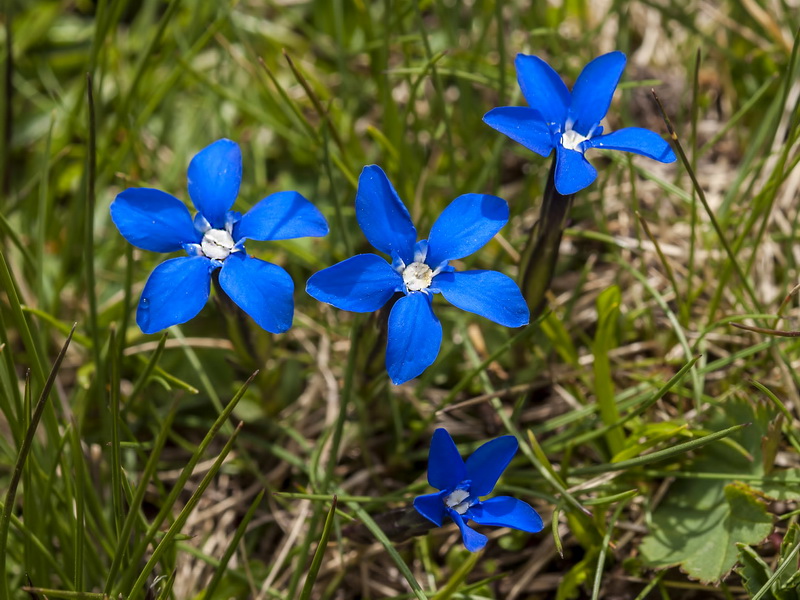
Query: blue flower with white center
pixel 570 122
pixel 365 282
pixel 178 288
pixel 462 484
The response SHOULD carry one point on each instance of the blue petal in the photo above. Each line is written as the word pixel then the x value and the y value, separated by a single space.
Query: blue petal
pixel 153 220
pixel 473 541
pixel 487 463
pixel 214 177
pixel 261 289
pixel 445 467
pixel 362 283
pixel 637 140
pixel 382 216
pixel 486 293
pixel 524 125
pixel 415 336
pixel 573 171
pixel 431 506
pixel 465 226
pixel 505 511
pixel 543 88
pixel 281 216
pixel 593 91
pixel 174 293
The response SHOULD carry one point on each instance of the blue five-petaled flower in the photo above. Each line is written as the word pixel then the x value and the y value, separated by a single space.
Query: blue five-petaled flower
pixel 419 269
pixel 178 288
pixel 570 122
pixel 462 484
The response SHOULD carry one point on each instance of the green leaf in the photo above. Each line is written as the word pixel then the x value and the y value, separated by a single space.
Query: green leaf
pixel 756 576
pixel 791 589
pixel 699 524
pixel 789 541
pixel 790 577
pixel 784 583
pixel 754 572
pixel 771 443
pixel 780 485
pixel 608 310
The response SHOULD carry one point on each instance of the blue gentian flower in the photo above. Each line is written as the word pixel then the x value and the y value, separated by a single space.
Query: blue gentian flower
pixel 178 288
pixel 365 282
pixel 570 122
pixel 462 484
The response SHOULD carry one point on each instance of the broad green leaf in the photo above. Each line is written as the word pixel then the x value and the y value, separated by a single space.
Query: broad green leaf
pixel 698 526
pixel 700 521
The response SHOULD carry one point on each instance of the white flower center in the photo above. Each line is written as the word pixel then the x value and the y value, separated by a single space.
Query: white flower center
pixel 217 244
pixel 457 500
pixel 570 139
pixel 417 276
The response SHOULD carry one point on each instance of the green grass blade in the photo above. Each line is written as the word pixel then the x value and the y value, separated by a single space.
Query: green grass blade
pixel 641 409
pixel 152 363
pixel 701 194
pixel 139 550
pixel 180 520
pixel 785 564
pixel 27 442
pixel 116 463
pixel 63 594
pixel 608 303
pixel 452 586
pixel 136 499
pixel 88 223
pixel 237 537
pixel 370 524
pixel 661 454
pixel 79 503
pixel 598 578
pixel 319 554
pixel 7 283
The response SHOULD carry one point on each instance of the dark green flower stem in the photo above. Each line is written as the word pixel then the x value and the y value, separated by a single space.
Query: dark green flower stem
pixel 399 525
pixel 541 252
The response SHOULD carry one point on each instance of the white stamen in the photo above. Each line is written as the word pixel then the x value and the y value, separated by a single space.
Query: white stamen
pixel 571 139
pixel 417 276
pixel 457 500
pixel 217 244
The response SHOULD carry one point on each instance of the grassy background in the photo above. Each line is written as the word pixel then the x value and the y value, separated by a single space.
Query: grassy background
pixel 137 482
